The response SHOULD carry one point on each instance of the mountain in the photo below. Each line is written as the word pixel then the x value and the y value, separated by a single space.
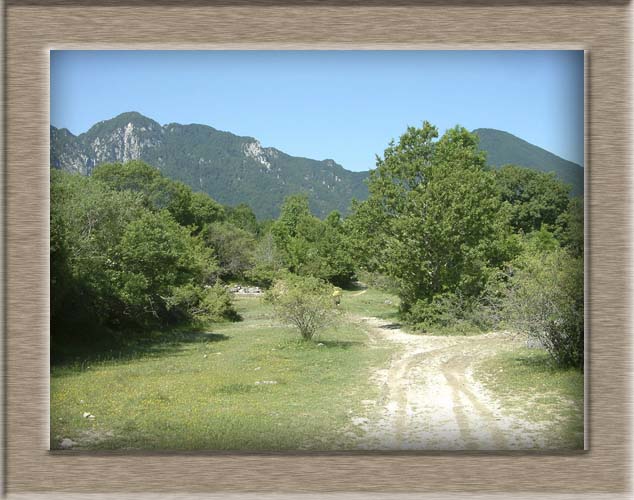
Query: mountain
pixel 230 168
pixel 503 148
pixel 234 169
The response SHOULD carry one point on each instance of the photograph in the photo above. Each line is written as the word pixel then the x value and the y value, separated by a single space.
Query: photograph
pixel 317 250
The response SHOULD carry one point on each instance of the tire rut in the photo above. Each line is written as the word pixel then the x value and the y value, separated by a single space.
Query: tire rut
pixel 430 400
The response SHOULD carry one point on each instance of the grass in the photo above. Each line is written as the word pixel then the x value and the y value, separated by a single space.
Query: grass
pixel 370 302
pixel 251 385
pixel 555 395
pixel 255 385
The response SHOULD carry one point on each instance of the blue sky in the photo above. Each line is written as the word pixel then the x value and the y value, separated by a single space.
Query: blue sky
pixel 344 105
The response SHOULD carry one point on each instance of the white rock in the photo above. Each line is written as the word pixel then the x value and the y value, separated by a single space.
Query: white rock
pixel 66 444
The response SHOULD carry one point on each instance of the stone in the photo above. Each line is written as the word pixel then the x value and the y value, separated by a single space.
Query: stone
pixel 67 444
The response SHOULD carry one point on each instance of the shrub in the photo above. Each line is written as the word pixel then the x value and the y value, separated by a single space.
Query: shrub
pixel 216 305
pixel 196 303
pixel 437 312
pixel 304 302
pixel 545 299
pixel 450 313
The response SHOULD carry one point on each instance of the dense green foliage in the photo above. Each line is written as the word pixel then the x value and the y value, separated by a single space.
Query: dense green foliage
pixel 535 198
pixel 434 220
pixel 312 247
pixel 233 248
pixel 120 259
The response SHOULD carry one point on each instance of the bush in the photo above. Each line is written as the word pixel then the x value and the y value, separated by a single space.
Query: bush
pixel 451 313
pixel 194 303
pixel 216 305
pixel 545 299
pixel 155 256
pixel 437 312
pixel 304 302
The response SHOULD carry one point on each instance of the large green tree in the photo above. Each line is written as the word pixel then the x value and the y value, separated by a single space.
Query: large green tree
pixel 312 247
pixel 434 220
pixel 295 232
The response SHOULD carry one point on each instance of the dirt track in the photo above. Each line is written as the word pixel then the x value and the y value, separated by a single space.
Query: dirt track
pixel 431 401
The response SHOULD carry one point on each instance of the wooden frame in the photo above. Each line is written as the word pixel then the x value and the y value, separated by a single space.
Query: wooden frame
pixel 34 27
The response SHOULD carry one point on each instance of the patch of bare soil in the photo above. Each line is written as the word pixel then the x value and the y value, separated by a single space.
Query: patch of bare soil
pixel 431 401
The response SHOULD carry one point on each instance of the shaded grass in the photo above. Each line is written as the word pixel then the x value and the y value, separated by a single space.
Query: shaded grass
pixel 527 381
pixel 251 385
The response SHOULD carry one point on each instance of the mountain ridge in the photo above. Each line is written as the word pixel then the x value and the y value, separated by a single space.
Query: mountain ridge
pixel 236 169
pixel 504 148
pixel 232 169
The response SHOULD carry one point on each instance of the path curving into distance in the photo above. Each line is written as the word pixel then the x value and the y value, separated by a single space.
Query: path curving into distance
pixel 430 400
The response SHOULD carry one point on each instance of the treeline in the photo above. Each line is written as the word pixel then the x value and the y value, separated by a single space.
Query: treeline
pixel 132 251
pixel 464 246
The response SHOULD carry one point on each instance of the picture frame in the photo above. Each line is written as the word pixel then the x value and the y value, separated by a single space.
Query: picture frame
pixel 33 27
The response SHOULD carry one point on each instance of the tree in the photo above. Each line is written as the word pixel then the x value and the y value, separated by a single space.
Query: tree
pixel 119 265
pixel 161 193
pixel 205 210
pixel 155 256
pixel 295 233
pixel 88 221
pixel 434 220
pixel 268 261
pixel 569 227
pixel 535 198
pixel 311 247
pixel 232 246
pixel 336 263
pixel 304 302
pixel 243 216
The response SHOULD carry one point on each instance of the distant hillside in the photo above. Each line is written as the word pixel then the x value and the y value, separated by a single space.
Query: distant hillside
pixel 234 169
pixel 230 168
pixel 503 148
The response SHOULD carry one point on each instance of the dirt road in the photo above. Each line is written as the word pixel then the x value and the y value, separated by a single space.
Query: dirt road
pixel 431 401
